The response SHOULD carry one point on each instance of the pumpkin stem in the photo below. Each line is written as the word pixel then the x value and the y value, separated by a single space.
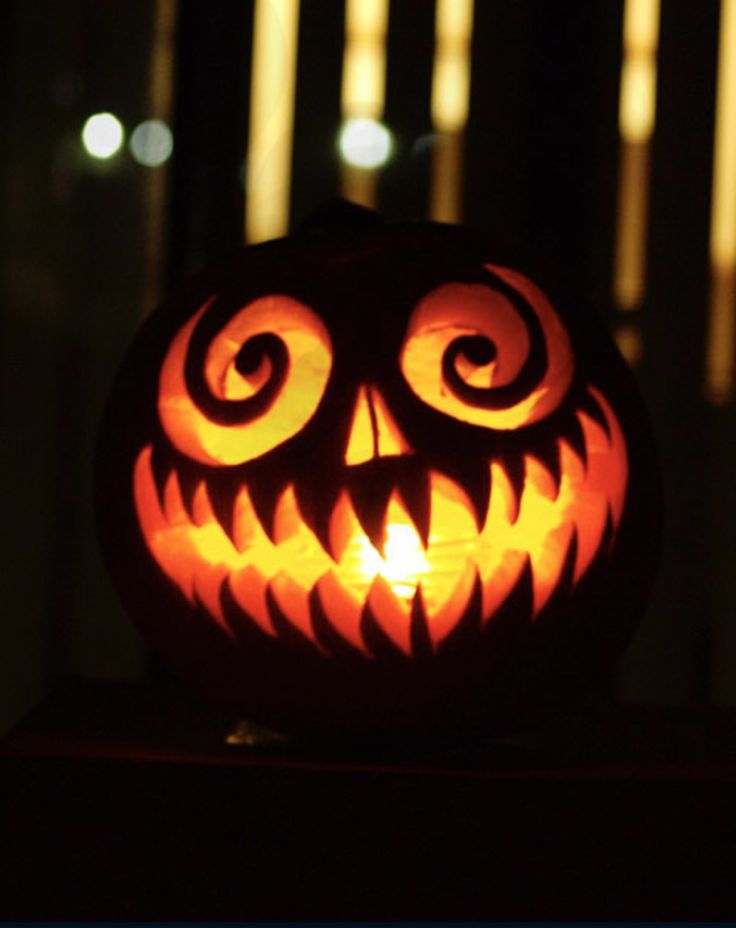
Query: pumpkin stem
pixel 338 217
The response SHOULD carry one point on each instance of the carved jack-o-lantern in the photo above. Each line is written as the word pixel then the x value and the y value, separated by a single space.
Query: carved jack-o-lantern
pixel 373 477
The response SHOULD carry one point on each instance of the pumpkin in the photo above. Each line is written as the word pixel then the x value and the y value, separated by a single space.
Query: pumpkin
pixel 370 476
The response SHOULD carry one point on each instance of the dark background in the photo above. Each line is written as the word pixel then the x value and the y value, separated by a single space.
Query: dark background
pixel 541 162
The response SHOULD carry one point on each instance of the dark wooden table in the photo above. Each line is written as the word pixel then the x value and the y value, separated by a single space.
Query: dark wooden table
pixel 125 802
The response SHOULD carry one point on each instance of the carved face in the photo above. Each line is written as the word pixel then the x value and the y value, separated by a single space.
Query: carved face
pixel 355 451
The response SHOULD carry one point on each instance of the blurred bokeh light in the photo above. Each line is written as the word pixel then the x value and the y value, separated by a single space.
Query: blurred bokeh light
pixel 151 143
pixel 102 136
pixel 365 143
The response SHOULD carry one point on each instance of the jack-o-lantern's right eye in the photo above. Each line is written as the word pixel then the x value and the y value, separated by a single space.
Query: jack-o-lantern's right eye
pixel 254 384
pixel 474 354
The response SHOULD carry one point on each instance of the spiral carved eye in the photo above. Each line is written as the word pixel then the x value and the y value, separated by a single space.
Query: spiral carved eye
pixel 233 396
pixel 501 360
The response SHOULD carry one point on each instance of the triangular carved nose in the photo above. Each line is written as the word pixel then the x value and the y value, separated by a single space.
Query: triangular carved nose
pixel 374 432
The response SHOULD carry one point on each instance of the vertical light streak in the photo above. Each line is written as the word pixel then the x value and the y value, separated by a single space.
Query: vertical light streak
pixel 721 326
pixel 160 106
pixel 449 106
pixel 271 129
pixel 637 113
pixel 363 89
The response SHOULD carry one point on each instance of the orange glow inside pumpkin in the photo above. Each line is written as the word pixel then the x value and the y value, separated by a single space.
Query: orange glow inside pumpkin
pixel 537 526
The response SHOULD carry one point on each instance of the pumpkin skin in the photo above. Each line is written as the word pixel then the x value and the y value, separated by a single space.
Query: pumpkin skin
pixel 369 477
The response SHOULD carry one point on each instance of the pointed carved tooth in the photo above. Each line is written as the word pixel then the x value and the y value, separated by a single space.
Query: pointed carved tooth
pixel 188 482
pixel 610 468
pixel 248 587
pixel 222 502
pixel 474 477
pixel 443 615
pixel 515 608
pixel 344 526
pixel 287 520
pixel 265 495
pixel 148 503
pixel 370 499
pixel 403 553
pixel 174 509
pixel 207 584
pixel 342 610
pixel 330 640
pixel 377 641
pixel 453 539
pixel 590 405
pixel 414 491
pixel 599 443
pixel 500 581
pixel 563 580
pixel 202 513
pixel 591 525
pixel 421 642
pixel 603 482
pixel 293 601
pixel 160 472
pixel 479 492
pixel 596 438
pixel 547 562
pixel 247 531
pixel 316 501
pixel 503 509
pixel 452 511
pixel 298 548
pixel 371 487
pixel 464 634
pixel 554 466
pixel 539 479
pixel 515 469
pixel 572 465
pixel 574 437
pixel 391 613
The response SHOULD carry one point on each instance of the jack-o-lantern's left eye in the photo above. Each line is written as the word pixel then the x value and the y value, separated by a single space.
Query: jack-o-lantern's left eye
pixel 474 354
pixel 247 388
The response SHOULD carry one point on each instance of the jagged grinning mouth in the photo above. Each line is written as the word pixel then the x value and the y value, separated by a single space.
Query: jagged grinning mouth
pixel 537 526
